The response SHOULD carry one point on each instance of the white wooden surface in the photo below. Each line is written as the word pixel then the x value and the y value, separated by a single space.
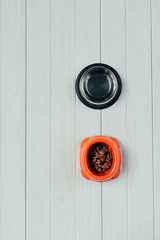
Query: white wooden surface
pixel 62 120
pixel 12 150
pixel 38 120
pixel 44 45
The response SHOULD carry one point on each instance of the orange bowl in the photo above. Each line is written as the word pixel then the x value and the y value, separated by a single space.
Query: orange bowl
pixel 87 172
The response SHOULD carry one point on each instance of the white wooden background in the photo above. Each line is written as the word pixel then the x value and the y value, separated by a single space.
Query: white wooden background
pixel 43 46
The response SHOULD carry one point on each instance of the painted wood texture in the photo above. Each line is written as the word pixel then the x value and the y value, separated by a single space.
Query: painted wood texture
pixel 12 169
pixel 139 129
pixel 44 45
pixel 63 120
pixel 38 128
pixel 155 38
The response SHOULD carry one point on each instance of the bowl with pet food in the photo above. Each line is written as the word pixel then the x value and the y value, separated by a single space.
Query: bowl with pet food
pixel 100 158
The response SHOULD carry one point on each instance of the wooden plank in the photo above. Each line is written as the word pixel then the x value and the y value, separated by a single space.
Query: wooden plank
pixel 12 120
pixel 38 120
pixel 114 192
pixel 88 193
pixel 156 111
pixel 63 120
pixel 139 120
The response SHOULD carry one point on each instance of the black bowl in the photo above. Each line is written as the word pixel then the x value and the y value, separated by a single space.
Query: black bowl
pixel 98 86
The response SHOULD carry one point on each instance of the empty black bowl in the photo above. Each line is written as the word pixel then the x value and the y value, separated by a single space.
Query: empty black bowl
pixel 98 86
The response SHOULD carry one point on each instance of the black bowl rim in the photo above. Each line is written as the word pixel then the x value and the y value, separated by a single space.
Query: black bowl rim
pixel 95 106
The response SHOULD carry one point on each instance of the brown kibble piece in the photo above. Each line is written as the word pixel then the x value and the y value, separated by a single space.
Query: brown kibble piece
pixel 102 151
pixel 100 165
pixel 97 154
pixel 103 158
pixel 99 170
pixel 91 153
pixel 107 160
pixel 98 161
pixel 94 160
pixel 106 165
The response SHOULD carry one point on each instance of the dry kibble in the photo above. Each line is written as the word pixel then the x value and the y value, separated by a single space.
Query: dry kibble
pixel 107 160
pixel 100 158
pixel 103 158
pixel 93 160
pixel 97 154
pixel 96 166
pixel 99 170
pixel 102 151
pixel 98 161
pixel 100 165
pixel 105 165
